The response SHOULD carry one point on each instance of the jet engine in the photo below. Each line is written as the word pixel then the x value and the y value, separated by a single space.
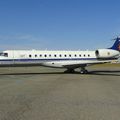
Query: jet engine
pixel 106 53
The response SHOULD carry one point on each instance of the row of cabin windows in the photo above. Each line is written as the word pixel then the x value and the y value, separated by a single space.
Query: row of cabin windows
pixel 6 55
pixel 59 55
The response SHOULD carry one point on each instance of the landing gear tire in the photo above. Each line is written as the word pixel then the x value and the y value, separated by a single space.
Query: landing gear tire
pixel 83 71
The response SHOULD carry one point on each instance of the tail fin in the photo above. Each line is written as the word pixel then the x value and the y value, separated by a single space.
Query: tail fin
pixel 116 45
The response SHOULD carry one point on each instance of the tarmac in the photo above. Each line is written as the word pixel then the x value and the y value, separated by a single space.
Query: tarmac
pixel 38 93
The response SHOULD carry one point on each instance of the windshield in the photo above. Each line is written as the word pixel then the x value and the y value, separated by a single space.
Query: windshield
pixel 4 54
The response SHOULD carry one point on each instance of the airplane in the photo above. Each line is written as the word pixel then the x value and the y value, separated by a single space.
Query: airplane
pixel 60 59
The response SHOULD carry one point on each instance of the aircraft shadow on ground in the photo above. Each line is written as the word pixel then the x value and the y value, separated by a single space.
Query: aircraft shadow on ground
pixel 96 72
pixel 105 72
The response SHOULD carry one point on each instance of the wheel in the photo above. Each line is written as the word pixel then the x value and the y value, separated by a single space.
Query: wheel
pixel 83 71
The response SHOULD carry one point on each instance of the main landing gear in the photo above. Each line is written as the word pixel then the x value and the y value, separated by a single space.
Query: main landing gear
pixel 82 71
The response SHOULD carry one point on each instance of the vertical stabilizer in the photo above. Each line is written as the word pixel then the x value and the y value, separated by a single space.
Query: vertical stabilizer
pixel 116 45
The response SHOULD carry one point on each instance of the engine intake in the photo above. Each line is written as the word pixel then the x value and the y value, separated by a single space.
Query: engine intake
pixel 106 53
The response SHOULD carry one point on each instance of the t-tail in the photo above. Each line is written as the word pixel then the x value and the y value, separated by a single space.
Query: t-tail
pixel 116 45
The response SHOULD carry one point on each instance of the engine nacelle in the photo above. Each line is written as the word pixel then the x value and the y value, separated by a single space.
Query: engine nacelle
pixel 106 53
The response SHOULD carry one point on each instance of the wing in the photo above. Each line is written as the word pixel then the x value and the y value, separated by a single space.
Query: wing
pixel 77 64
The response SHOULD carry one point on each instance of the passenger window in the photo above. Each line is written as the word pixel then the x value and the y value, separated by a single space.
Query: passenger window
pixel 45 55
pixel 40 55
pixel 35 55
pixel 75 55
pixel 65 55
pixel 60 55
pixel 30 55
pixel 69 55
pixel 54 55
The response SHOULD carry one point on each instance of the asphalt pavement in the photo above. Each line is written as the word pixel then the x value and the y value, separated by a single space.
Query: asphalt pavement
pixel 38 93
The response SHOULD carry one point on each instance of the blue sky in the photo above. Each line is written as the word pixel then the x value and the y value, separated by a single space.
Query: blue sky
pixel 58 24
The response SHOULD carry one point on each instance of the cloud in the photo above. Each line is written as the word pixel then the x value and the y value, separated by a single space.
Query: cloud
pixel 22 47
pixel 16 38
pixel 21 42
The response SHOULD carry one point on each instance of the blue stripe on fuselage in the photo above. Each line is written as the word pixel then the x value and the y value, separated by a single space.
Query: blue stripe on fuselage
pixel 27 60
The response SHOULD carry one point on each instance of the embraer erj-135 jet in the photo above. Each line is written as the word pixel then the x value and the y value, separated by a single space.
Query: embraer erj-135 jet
pixel 60 59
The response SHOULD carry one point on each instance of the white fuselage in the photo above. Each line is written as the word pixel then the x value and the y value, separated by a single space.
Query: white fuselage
pixel 48 58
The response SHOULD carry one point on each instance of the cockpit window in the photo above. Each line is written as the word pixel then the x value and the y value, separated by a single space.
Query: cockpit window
pixel 4 54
